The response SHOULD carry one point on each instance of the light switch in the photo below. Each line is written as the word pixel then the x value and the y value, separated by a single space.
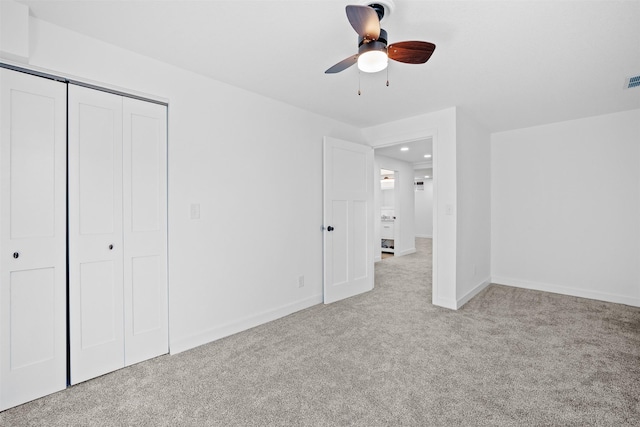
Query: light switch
pixel 195 210
pixel 448 209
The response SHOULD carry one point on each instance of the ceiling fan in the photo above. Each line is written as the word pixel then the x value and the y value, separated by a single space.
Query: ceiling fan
pixel 373 52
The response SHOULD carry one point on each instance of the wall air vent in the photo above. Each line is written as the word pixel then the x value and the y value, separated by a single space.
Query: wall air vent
pixel 632 82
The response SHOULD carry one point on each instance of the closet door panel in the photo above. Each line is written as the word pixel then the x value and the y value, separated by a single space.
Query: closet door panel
pixel 32 165
pixel 98 295
pixel 95 233
pixel 32 337
pixel 32 237
pixel 145 230
pixel 146 292
pixel 145 145
pixel 98 168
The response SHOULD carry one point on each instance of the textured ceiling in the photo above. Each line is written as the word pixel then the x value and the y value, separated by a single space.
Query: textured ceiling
pixel 508 64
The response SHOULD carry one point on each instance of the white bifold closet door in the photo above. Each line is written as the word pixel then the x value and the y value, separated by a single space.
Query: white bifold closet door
pixel 146 304
pixel 117 232
pixel 33 350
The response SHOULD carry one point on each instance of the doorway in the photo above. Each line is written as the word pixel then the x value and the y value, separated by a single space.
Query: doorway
pixel 405 201
pixel 387 213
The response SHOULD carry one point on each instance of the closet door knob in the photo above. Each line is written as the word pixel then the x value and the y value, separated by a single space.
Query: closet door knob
pixel 330 228
pixel 16 255
pixel 110 247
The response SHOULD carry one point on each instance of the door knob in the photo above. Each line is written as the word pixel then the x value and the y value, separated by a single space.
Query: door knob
pixel 330 228
pixel 16 255
pixel 110 247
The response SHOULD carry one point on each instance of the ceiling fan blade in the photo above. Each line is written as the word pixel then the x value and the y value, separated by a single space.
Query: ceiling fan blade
pixel 343 65
pixel 411 52
pixel 365 21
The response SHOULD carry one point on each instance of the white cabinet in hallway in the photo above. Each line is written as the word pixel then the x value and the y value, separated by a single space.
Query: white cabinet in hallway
pixel 387 229
pixel 117 232
pixel 33 352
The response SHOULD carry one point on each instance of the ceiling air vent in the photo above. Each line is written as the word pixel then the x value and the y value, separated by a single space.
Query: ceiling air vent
pixel 632 82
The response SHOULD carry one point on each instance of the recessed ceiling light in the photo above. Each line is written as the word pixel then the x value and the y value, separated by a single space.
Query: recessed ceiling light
pixel 426 176
pixel 404 149
pixel 427 156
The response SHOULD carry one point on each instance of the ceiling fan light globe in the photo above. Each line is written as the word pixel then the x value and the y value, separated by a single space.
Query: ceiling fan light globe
pixel 373 61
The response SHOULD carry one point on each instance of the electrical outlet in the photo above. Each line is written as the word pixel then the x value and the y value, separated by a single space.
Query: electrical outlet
pixel 195 211
pixel 301 281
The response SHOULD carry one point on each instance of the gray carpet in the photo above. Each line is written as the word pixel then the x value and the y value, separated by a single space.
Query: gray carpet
pixel 509 357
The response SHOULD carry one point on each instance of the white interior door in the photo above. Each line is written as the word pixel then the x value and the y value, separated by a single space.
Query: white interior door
pixel 33 354
pixel 348 219
pixel 145 230
pixel 95 233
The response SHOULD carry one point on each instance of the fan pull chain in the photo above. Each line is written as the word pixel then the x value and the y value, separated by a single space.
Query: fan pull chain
pixel 387 76
pixel 359 93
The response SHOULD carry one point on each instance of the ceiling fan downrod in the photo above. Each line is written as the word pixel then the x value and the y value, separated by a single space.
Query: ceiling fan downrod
pixel 379 10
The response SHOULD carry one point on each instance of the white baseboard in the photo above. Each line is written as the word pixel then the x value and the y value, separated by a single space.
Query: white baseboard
pixel 565 290
pixel 425 236
pixel 377 258
pixel 217 333
pixel 473 292
pixel 445 302
pixel 406 252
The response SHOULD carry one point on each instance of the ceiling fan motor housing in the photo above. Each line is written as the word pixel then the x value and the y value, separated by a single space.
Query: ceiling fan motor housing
pixel 382 39
pixel 371 46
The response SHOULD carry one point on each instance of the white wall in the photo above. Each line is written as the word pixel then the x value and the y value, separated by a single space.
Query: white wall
pixel 424 210
pixel 566 207
pixel 14 31
pixel 474 208
pixel 388 197
pixel 441 125
pixel 403 205
pixel 238 265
